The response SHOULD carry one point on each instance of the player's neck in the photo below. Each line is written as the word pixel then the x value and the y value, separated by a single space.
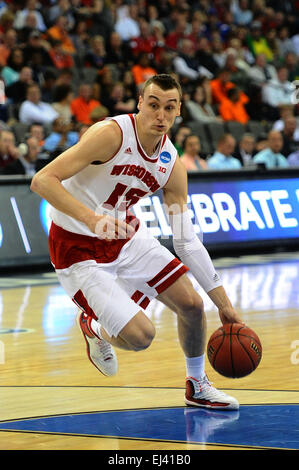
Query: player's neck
pixel 148 142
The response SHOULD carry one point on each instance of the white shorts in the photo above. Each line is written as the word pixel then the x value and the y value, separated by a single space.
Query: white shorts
pixel 113 292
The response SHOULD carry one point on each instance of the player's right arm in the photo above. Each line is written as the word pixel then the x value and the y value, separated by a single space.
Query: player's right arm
pixel 100 142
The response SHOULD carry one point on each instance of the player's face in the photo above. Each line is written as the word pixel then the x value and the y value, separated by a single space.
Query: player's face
pixel 158 109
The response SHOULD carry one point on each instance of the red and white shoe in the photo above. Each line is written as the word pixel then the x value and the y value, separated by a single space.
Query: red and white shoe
pixel 100 353
pixel 202 394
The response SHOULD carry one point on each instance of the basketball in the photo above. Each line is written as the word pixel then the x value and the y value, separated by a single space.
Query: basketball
pixel 234 350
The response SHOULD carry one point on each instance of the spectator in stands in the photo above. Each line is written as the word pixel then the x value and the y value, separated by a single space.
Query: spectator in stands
pixel 191 154
pixel 31 9
pixel 179 138
pixel 117 102
pixel 186 64
pixel 9 42
pixel 198 107
pixel 145 42
pixel 62 99
pixel 36 130
pixel 59 57
pixel 99 18
pixel 10 73
pixel 8 150
pixel 118 52
pixel 261 143
pixel 35 47
pixel 62 8
pixel 245 149
pixel 61 137
pixel 285 42
pixel 35 110
pixel 293 159
pixel 205 57
pixel 220 86
pixel 83 104
pixel 286 112
pixel 233 107
pixel 241 11
pixel 271 156
pixel 237 74
pixel 257 42
pixel 47 86
pixel 292 64
pixel 290 140
pixel 278 92
pixel 99 113
pixel 143 69
pixel 60 32
pixel 179 31
pixel 262 71
pixel 25 163
pixel 96 56
pixel 17 91
pixel 127 27
pixel 222 158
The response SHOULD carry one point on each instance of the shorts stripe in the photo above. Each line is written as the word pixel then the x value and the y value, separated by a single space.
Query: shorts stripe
pixel 166 270
pixel 171 279
pixel 80 300
pixel 140 299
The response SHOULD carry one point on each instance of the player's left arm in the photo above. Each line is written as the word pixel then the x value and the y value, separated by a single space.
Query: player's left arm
pixel 189 247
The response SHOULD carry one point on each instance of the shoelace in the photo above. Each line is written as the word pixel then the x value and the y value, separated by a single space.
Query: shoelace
pixel 205 385
pixel 105 349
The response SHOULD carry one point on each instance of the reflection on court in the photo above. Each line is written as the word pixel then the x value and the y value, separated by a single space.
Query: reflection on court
pixel 52 397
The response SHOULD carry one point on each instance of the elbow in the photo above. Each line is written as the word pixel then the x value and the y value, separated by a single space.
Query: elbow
pixel 34 184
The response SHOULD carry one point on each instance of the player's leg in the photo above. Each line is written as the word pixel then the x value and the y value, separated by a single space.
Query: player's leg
pixel 182 298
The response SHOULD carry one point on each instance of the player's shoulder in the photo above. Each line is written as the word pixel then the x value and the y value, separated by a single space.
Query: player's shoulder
pixel 108 128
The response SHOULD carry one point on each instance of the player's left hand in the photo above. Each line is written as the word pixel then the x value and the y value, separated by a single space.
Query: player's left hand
pixel 229 315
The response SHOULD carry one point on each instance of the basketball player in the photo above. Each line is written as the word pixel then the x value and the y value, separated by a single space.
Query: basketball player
pixel 107 262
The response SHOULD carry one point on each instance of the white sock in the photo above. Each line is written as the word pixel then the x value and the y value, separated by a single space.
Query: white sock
pixel 195 367
pixel 96 327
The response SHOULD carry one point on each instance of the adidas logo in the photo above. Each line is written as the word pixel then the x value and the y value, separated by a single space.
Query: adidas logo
pixel 128 150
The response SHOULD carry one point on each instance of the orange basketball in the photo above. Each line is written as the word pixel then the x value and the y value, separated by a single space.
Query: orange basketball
pixel 234 350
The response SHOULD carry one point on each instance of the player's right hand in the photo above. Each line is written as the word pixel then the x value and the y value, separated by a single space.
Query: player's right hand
pixel 109 228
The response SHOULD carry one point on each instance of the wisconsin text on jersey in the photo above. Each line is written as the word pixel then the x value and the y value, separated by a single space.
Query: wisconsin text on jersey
pixel 139 172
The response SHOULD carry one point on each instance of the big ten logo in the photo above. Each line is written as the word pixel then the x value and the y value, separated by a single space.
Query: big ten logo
pixel 295 353
pixel 295 94
pixel 2 353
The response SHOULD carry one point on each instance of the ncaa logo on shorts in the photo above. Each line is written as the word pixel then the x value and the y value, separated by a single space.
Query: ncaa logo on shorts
pixel 165 157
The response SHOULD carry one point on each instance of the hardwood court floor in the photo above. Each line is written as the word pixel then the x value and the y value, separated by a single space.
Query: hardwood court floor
pixel 53 398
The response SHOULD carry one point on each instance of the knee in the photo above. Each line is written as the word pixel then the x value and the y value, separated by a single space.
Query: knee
pixel 142 338
pixel 191 305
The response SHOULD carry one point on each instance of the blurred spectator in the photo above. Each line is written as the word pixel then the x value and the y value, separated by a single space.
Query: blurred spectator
pixel 35 110
pixel 8 150
pixel 118 52
pixel 127 27
pixel 257 42
pixel 60 32
pixel 96 56
pixel 261 143
pixel 237 75
pixel 10 73
pixel 218 50
pixel 9 42
pixel 241 12
pixel 291 62
pixel 179 32
pixel 25 163
pixel 221 85
pixel 59 57
pixel 62 98
pixel 98 16
pixel 17 91
pixel 61 8
pixel 271 156
pixel 261 71
pixel 285 42
pixel 285 113
pixel 83 104
pixel 36 130
pixel 198 108
pixel 48 85
pixel 179 138
pixel 278 92
pixel 233 108
pixel 36 46
pixel 30 9
pixel 98 114
pixel 290 142
pixel 293 159
pixel 190 157
pixel 145 42
pixel 206 61
pixel 117 102
pixel 60 138
pixel 186 64
pixel 142 70
pixel 222 158
pixel 245 149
